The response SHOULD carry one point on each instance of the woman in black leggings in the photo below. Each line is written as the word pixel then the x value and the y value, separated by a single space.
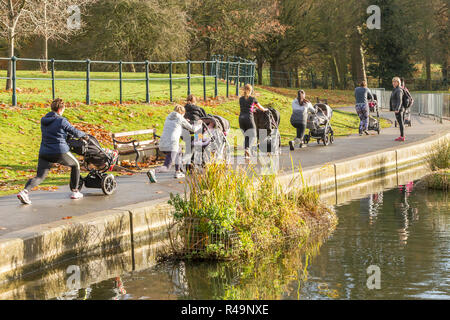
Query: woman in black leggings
pixel 246 119
pixel 396 105
pixel 54 149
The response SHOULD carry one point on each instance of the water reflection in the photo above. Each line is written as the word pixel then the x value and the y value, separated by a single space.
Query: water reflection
pixel 404 231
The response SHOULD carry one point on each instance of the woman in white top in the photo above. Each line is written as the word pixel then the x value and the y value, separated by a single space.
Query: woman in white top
pixel 299 117
pixel 175 127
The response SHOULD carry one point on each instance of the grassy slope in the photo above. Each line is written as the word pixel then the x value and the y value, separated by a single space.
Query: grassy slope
pixel 20 127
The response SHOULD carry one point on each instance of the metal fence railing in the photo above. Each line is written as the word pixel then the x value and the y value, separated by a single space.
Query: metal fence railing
pixel 233 71
pixel 436 105
pixel 291 79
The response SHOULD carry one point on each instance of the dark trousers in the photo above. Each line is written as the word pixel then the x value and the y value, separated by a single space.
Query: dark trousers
pixel 46 161
pixel 173 157
pixel 400 116
pixel 301 128
pixel 248 126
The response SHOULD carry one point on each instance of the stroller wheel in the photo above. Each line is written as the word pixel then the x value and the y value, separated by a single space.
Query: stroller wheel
pixel 109 184
pixel 306 138
pixel 331 138
pixel 326 140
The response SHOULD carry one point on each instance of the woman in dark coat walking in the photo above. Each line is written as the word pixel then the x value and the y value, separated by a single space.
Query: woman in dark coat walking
pixel 396 105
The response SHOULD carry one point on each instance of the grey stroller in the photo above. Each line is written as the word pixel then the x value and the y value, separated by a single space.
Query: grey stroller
pixel 319 125
pixel 212 143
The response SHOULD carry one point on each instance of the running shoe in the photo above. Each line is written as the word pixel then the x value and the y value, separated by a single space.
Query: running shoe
pixel 152 176
pixel 76 195
pixel 291 145
pixel 179 175
pixel 23 197
pixel 400 139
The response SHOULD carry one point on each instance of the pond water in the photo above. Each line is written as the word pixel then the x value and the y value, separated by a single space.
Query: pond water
pixel 404 233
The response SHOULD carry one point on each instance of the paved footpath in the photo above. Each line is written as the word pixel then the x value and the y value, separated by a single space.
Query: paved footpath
pixel 53 206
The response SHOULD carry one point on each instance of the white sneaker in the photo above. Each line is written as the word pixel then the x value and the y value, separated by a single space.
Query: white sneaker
pixel 179 175
pixel 76 195
pixel 152 176
pixel 23 197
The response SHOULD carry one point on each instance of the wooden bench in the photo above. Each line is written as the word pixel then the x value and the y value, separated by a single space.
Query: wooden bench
pixel 322 100
pixel 135 146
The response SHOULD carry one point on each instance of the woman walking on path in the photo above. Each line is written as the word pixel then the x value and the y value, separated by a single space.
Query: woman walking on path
pixel 299 117
pixel 396 105
pixel 362 96
pixel 246 120
pixel 169 142
pixel 193 112
pixel 54 149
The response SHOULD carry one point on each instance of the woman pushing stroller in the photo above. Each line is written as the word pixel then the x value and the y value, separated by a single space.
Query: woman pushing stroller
pixel 362 96
pixel 54 149
pixel 300 108
pixel 248 105
pixel 175 127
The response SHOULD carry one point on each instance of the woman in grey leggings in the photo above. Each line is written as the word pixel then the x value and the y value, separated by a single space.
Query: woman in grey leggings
pixel 54 149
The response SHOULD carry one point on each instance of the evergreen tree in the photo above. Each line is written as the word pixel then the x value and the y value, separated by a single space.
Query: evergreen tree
pixel 391 47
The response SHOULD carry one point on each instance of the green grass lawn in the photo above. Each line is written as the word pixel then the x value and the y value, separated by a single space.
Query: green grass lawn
pixel 20 134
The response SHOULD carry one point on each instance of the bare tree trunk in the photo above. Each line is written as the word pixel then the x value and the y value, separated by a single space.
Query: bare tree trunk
pixel 428 69
pixel 325 76
pixel 45 63
pixel 10 54
pixel 445 66
pixel 278 72
pixel 358 58
pixel 259 67
pixel 335 72
pixel 342 67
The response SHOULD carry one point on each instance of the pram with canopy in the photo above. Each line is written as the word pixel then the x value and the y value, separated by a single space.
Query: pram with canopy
pixel 319 125
pixel 210 142
pixel 97 161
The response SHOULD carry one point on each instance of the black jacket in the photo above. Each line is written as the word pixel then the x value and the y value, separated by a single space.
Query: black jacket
pixel 396 99
pixel 193 112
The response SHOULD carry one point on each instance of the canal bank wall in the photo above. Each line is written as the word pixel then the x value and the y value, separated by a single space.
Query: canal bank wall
pixel 125 228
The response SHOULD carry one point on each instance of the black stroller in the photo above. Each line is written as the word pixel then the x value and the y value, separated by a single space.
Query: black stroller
pixel 319 125
pixel 269 121
pixel 374 123
pixel 97 161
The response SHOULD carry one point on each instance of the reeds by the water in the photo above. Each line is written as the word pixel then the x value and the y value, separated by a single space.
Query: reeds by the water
pixel 228 212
